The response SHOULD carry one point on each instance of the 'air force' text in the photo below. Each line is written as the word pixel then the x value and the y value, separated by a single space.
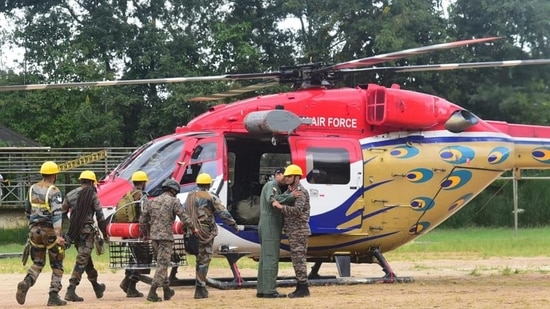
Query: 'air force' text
pixel 350 123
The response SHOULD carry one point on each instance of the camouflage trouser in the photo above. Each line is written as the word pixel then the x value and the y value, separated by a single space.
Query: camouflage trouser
pixel 163 253
pixel 84 246
pixel 203 262
pixel 56 254
pixel 298 251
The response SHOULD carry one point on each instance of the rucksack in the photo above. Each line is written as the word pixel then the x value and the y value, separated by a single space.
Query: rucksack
pixel 128 208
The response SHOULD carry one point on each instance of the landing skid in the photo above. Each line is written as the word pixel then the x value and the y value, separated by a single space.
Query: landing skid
pixel 315 279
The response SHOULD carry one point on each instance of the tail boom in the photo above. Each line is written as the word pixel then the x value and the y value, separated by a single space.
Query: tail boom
pixel 532 144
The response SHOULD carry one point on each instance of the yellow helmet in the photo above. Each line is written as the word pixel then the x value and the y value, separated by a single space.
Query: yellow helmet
pixel 139 176
pixel 293 170
pixel 49 168
pixel 89 175
pixel 204 179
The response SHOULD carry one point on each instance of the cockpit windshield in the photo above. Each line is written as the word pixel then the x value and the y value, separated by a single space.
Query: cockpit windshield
pixel 157 159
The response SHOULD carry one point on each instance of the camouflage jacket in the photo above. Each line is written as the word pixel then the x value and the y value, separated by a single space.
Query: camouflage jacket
pixel 207 205
pixel 296 217
pixel 70 203
pixel 38 210
pixel 158 216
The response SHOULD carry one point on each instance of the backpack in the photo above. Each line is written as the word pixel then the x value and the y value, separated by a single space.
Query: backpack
pixel 128 208
pixel 248 211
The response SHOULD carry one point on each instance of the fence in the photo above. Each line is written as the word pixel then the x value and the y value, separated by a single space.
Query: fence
pixel 20 168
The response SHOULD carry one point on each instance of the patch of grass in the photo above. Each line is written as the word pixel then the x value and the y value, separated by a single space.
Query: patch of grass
pixel 14 265
pixel 506 271
pixel 476 272
pixel 479 243
pixel 13 236
pixel 462 244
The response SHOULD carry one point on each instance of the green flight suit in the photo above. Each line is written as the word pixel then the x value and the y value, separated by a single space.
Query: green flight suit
pixel 270 230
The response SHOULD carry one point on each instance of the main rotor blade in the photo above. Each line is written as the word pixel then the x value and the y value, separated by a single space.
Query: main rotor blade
pixel 234 92
pixel 454 66
pixel 172 80
pixel 357 63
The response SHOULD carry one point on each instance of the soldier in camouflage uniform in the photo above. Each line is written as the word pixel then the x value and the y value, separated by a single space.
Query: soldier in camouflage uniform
pixel 139 253
pixel 43 209
pixel 156 222
pixel 201 206
pixel 296 227
pixel 270 229
pixel 83 204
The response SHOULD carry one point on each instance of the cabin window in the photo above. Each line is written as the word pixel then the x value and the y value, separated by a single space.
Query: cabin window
pixel 269 162
pixel 328 165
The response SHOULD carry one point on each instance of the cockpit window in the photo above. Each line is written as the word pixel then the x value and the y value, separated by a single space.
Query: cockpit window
pixel 203 160
pixel 158 161
pixel 204 152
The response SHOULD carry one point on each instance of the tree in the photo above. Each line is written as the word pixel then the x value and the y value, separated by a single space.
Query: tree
pixel 510 94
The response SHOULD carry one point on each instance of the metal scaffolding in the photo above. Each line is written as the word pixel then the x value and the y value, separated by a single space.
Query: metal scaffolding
pixel 19 167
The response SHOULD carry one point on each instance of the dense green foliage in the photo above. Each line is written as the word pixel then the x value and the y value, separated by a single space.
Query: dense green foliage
pixel 89 40
pixel 494 207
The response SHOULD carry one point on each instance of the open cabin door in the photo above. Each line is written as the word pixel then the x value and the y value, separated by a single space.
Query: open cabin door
pixel 333 176
pixel 204 154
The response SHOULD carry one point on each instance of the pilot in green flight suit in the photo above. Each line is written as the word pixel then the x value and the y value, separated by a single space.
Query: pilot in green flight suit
pixel 270 230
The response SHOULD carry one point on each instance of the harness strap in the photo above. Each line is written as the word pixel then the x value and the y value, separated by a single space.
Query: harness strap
pixel 45 205
pixel 43 246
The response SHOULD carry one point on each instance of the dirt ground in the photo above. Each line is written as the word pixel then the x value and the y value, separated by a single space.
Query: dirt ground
pixel 444 283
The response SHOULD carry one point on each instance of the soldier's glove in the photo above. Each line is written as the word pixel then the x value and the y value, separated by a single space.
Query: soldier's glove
pixel 68 241
pixel 103 227
pixel 237 228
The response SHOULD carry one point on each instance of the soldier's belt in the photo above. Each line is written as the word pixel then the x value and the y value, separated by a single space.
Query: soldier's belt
pixel 43 224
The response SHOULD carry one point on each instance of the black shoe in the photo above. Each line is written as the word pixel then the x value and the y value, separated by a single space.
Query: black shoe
pixel 260 295
pixel 272 295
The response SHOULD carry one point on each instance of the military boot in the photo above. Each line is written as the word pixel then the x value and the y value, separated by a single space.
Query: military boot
pixel 99 288
pixel 124 284
pixel 152 296
pixel 201 292
pixel 173 273
pixel 168 292
pixel 22 289
pixel 302 290
pixel 71 294
pixel 54 300
pixel 132 291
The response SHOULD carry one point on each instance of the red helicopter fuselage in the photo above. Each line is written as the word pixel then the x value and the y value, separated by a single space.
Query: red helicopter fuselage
pixel 382 165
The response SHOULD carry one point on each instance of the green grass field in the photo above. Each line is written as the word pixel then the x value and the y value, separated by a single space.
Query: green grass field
pixel 478 243
pixel 470 243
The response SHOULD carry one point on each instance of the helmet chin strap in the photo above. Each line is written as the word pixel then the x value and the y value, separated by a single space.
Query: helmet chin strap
pixel 294 183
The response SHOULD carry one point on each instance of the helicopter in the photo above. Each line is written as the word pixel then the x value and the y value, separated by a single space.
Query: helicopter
pixel 382 165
